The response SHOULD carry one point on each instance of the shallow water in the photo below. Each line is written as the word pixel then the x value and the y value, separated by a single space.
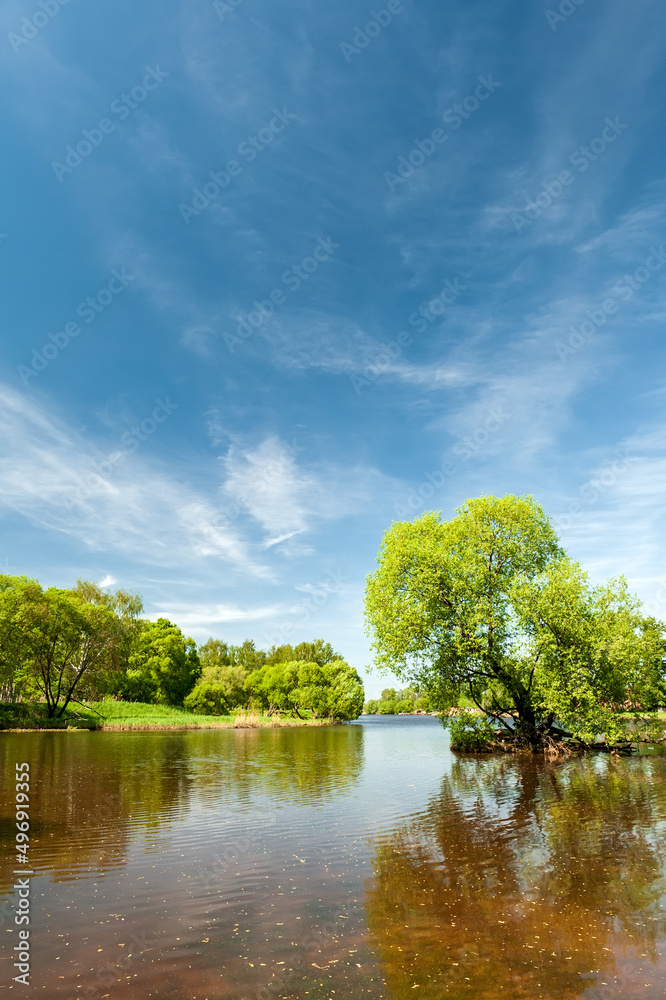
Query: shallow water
pixel 356 861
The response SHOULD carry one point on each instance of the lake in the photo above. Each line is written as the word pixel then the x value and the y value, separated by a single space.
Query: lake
pixel 360 861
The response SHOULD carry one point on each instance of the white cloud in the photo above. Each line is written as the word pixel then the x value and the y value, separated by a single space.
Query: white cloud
pixel 616 524
pixel 634 230
pixel 288 500
pixel 201 618
pixel 51 476
pixel 267 482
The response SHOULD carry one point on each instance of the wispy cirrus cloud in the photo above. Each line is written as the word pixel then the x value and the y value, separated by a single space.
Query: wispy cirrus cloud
pixel 614 520
pixel 286 497
pixel 53 477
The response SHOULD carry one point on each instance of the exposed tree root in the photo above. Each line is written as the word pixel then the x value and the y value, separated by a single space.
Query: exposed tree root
pixel 559 746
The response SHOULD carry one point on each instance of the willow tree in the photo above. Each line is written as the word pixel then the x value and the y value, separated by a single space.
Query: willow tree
pixel 488 605
pixel 59 644
pixel 333 691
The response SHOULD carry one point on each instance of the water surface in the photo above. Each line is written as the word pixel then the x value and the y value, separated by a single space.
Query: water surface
pixel 355 861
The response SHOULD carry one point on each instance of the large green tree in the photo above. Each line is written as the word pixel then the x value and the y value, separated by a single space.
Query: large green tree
pixel 346 694
pixel 488 605
pixel 62 645
pixel 17 596
pixel 332 691
pixel 225 668
pixel 163 666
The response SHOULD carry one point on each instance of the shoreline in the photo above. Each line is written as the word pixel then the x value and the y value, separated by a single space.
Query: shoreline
pixel 120 716
pixel 177 727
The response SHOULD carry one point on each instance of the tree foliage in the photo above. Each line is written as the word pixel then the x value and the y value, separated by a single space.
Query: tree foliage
pixel 487 604
pixel 207 699
pixel 318 651
pixel 470 733
pixel 333 690
pixel 56 643
pixel 58 646
pixel 227 667
pixel 163 666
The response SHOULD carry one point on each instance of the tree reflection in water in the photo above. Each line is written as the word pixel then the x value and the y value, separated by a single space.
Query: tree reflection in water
pixel 94 793
pixel 524 879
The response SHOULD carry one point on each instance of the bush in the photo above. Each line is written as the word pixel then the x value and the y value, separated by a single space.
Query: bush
pixel 371 707
pixel 387 708
pixel 470 733
pixel 206 699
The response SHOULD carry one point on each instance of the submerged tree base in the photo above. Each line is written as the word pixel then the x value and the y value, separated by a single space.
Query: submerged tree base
pixel 553 746
pixel 471 733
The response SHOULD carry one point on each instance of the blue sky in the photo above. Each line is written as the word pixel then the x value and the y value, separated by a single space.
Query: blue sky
pixel 272 281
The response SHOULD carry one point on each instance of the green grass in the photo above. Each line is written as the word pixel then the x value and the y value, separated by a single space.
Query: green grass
pixel 129 714
pixel 135 715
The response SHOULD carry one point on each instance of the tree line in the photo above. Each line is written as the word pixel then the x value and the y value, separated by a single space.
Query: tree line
pixel 392 702
pixel 70 646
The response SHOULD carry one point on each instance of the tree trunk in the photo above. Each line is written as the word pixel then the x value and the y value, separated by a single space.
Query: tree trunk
pixel 527 727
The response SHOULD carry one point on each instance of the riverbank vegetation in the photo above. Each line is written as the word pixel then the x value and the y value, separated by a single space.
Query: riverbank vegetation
pixel 489 606
pixel 123 715
pixel 64 650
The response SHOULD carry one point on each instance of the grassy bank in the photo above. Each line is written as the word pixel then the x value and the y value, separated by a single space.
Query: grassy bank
pixel 119 715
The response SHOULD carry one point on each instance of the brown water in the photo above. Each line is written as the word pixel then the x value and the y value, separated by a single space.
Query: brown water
pixel 358 861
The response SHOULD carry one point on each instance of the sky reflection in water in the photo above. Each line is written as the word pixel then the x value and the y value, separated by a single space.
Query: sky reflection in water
pixel 358 861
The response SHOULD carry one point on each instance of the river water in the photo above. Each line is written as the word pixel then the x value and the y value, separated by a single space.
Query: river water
pixel 358 861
